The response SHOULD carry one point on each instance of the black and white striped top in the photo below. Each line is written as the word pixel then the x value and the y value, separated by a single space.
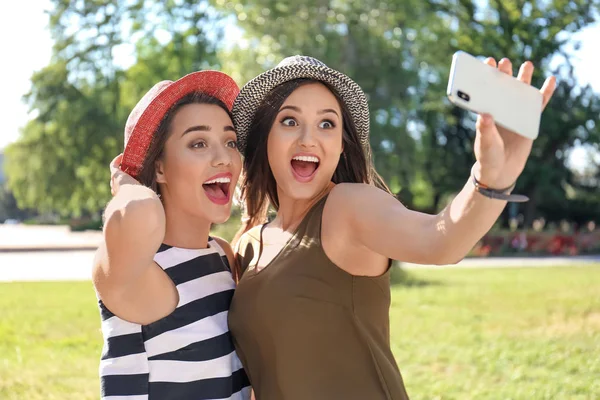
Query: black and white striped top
pixel 188 354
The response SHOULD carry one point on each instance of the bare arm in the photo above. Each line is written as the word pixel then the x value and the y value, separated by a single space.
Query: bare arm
pixel 379 222
pixel 134 227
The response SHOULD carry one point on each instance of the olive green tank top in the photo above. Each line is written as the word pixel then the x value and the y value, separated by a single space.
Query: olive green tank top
pixel 306 329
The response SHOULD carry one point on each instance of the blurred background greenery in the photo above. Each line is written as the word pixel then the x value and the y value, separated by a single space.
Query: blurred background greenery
pixel 107 54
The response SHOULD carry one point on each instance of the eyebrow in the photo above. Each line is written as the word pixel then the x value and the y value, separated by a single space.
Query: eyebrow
pixel 297 109
pixel 206 128
pixel 328 110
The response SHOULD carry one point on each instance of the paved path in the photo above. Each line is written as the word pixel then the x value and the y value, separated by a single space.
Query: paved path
pixel 31 238
pixel 39 253
pixel 76 265
pixel 46 266
pixel 515 262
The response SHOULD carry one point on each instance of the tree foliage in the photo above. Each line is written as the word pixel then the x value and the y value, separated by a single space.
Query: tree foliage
pixel 109 53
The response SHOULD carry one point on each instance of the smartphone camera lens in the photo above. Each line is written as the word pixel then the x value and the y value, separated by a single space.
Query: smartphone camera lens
pixel 463 96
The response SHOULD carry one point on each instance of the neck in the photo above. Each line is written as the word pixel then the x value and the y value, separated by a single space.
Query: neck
pixel 291 211
pixel 185 231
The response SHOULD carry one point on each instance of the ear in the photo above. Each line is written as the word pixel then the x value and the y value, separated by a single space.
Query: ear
pixel 160 174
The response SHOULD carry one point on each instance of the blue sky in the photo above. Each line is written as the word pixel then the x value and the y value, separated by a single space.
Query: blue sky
pixel 26 46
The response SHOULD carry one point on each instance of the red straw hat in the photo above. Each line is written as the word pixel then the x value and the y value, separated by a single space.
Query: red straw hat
pixel 151 109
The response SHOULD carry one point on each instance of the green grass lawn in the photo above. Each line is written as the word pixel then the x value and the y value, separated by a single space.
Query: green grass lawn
pixel 457 334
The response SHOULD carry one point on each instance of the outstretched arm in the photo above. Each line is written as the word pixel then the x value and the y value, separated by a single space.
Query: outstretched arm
pixel 379 222
pixel 386 227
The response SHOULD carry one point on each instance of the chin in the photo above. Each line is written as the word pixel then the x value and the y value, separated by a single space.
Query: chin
pixel 220 219
pixel 218 214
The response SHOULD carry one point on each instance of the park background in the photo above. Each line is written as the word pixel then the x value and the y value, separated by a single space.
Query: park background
pixel 519 319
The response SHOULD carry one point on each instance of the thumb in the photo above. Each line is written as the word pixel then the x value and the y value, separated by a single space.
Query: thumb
pixel 486 129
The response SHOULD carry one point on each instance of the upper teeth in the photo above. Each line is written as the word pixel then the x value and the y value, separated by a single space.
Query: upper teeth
pixel 306 158
pixel 218 180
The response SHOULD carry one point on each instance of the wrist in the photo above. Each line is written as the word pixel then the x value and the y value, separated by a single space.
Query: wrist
pixel 498 193
pixel 492 179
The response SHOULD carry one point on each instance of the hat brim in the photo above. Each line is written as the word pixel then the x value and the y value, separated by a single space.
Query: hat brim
pixel 213 83
pixel 255 91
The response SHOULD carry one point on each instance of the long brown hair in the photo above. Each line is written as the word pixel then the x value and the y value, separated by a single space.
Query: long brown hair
pixel 259 189
pixel 147 175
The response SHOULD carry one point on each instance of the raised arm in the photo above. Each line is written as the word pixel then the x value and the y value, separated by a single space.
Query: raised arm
pixel 124 270
pixel 385 226
pixel 379 222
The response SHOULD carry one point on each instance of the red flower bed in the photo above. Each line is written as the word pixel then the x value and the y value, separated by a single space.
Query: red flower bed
pixel 537 243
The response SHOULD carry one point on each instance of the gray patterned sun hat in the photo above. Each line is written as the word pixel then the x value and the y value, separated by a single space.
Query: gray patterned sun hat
pixel 291 68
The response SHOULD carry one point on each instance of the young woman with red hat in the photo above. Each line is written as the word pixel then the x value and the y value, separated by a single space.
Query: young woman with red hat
pixel 310 315
pixel 164 285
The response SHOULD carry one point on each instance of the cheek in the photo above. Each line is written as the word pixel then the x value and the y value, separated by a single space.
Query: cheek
pixel 333 151
pixel 236 161
pixel 277 150
pixel 184 169
pixel 334 144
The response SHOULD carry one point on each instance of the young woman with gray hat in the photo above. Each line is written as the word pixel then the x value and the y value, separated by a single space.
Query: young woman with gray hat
pixel 164 285
pixel 310 315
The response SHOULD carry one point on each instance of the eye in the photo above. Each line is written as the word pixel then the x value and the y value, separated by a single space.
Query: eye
pixel 327 124
pixel 232 144
pixel 200 144
pixel 289 121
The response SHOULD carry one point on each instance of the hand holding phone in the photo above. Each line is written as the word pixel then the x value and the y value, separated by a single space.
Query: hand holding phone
pixel 509 111
pixel 483 89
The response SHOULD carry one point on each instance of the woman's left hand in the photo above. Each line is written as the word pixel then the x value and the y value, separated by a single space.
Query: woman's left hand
pixel 501 154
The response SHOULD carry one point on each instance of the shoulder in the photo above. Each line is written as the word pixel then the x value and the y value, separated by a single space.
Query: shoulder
pixel 247 247
pixel 226 247
pixel 345 198
pixel 353 192
pixel 349 205
pixel 248 239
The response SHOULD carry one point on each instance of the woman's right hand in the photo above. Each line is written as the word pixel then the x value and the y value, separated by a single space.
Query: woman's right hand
pixel 119 178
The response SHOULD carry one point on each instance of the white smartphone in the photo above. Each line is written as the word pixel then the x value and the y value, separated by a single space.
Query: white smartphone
pixel 478 87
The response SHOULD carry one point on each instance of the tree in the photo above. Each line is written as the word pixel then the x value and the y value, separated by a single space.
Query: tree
pixel 370 41
pixel 522 30
pixel 400 53
pixel 60 162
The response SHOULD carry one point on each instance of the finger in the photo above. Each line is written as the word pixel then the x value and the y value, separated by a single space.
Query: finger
pixel 116 162
pixel 547 90
pixel 505 66
pixel 484 121
pixel 526 72
pixel 491 62
pixel 485 128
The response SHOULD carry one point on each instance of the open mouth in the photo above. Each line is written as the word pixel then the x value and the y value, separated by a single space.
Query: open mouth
pixel 217 188
pixel 305 167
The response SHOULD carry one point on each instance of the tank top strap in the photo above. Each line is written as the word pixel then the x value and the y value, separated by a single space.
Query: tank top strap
pixel 310 227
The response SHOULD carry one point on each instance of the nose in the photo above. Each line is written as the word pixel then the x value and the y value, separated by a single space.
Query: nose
pixel 222 157
pixel 307 137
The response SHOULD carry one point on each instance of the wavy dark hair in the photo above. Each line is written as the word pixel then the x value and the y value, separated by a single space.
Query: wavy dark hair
pixel 259 189
pixel 147 175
